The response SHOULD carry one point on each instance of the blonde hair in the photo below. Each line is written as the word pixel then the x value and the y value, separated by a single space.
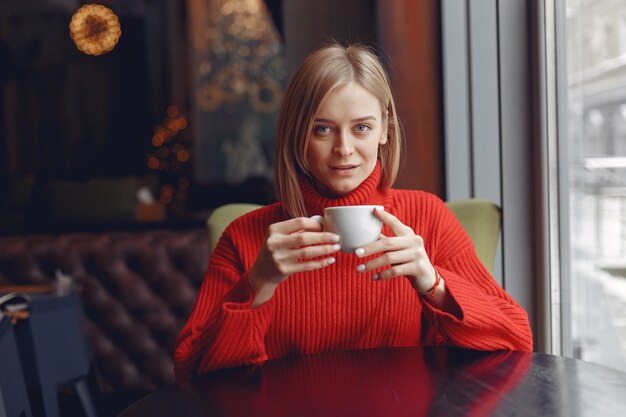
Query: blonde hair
pixel 321 72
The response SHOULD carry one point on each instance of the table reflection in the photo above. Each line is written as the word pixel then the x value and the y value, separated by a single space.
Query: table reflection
pixel 398 382
pixel 410 381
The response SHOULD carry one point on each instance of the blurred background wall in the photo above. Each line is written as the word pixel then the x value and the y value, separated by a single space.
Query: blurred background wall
pixel 184 104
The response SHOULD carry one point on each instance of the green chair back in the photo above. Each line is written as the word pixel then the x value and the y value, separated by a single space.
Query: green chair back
pixel 480 219
pixel 221 217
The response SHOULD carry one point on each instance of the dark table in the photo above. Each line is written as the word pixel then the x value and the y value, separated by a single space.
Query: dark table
pixel 398 382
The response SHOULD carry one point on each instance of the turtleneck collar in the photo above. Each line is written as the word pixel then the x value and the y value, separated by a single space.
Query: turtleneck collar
pixel 367 193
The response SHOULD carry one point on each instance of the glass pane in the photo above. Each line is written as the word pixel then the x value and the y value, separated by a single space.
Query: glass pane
pixel 596 80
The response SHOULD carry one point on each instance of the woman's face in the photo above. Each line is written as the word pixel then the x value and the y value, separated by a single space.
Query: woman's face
pixel 343 147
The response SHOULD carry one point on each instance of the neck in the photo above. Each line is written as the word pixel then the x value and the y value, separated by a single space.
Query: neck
pixel 368 192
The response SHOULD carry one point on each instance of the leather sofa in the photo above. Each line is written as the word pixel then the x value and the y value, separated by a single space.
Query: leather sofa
pixel 137 289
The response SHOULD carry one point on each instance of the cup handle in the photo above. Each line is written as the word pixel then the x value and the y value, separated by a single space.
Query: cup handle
pixel 320 219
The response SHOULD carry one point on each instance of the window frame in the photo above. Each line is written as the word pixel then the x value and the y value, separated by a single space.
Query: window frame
pixel 522 118
pixel 551 120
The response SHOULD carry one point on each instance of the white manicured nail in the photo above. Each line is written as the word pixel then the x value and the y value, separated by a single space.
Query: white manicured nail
pixel 336 247
pixel 330 261
pixel 360 268
pixel 375 277
pixel 360 252
pixel 335 238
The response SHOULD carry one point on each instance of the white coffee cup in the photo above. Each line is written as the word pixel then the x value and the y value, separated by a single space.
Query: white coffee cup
pixel 356 226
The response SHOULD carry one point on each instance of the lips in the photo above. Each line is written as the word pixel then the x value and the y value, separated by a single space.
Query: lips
pixel 344 170
pixel 343 167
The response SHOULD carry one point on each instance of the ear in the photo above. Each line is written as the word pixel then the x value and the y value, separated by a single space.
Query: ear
pixel 385 126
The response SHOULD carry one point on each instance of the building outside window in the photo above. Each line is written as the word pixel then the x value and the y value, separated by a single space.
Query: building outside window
pixel 595 33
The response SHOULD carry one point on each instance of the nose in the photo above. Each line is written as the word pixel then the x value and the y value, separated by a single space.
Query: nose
pixel 343 145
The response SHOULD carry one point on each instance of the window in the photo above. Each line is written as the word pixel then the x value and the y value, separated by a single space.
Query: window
pixel 623 35
pixel 595 143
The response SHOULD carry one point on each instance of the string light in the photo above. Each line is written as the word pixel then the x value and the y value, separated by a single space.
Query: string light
pixel 239 46
pixel 161 142
pixel 167 191
pixel 95 29
pixel 169 155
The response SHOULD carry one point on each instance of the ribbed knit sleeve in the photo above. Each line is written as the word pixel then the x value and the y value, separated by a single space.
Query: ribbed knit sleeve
pixel 223 331
pixel 490 318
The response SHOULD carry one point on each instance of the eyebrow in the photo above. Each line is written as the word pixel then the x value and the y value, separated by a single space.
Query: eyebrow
pixel 360 119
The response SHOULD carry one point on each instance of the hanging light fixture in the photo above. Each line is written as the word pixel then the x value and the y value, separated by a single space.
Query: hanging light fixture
pixel 95 29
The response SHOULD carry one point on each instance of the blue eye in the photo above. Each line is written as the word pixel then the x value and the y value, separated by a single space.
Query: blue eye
pixel 362 128
pixel 322 129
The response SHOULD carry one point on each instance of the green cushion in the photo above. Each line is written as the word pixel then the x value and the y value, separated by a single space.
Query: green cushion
pixel 222 216
pixel 481 221
pixel 99 199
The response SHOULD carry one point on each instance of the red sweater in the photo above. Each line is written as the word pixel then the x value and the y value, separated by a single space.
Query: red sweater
pixel 337 307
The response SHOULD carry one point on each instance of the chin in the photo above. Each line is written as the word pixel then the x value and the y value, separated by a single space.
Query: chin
pixel 342 190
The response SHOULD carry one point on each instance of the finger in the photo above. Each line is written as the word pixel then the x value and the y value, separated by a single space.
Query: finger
pixel 297 224
pixel 393 272
pixel 388 258
pixel 296 267
pixel 386 244
pixel 308 252
pixel 277 242
pixel 396 226
pixel 298 240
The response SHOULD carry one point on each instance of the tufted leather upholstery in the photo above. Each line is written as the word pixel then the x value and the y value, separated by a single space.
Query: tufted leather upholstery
pixel 138 289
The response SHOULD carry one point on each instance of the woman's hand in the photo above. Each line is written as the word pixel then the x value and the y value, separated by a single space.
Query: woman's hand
pixel 289 248
pixel 405 252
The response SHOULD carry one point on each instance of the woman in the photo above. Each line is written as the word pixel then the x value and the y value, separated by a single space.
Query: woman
pixel 277 284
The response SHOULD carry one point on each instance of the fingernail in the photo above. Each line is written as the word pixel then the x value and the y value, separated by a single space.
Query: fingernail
pixel 360 252
pixel 330 261
pixel 360 268
pixel 336 247
pixel 335 238
pixel 375 277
